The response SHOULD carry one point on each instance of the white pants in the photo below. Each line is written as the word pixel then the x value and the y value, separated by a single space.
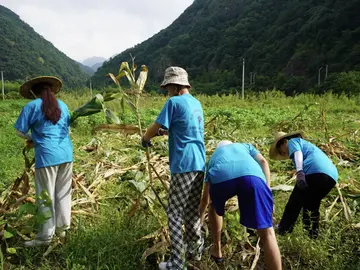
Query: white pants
pixel 56 180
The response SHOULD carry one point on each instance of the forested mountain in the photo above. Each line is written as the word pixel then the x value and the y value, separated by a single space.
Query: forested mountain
pixel 24 53
pixel 94 62
pixel 88 70
pixel 284 41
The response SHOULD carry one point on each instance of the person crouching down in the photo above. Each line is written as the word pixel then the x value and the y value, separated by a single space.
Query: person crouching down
pixel 48 119
pixel 316 175
pixel 239 169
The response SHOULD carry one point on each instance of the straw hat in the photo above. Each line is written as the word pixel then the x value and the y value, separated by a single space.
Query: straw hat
pixel 25 88
pixel 223 143
pixel 274 153
pixel 175 75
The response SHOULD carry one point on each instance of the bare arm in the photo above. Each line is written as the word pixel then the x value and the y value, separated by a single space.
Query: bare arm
pixel 264 166
pixel 151 131
pixel 204 201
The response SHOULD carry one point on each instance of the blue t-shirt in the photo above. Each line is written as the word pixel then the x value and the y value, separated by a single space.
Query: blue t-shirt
pixel 184 118
pixel 52 143
pixel 233 161
pixel 315 160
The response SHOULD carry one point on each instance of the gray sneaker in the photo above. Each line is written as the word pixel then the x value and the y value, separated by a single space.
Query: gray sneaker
pixel 36 243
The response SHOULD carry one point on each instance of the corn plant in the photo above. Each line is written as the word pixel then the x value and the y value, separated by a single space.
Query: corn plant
pixel 132 98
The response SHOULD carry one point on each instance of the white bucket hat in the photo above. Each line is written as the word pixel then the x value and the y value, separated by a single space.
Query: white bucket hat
pixel 223 143
pixel 175 75
pixel 274 153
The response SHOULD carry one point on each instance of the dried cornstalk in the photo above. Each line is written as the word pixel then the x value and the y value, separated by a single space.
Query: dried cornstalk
pixel 257 255
pixel 346 208
pixel 159 177
pixel 327 211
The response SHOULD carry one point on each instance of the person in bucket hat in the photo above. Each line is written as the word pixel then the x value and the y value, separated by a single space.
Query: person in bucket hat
pixel 316 175
pixel 182 119
pixel 48 119
pixel 238 169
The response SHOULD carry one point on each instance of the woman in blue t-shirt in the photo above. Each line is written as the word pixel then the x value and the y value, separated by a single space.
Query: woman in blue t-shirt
pixel 316 175
pixel 238 169
pixel 48 119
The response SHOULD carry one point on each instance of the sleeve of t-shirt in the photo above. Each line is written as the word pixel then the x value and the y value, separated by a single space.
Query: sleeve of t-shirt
pixel 23 122
pixel 252 150
pixel 293 146
pixel 166 114
pixel 207 174
pixel 68 115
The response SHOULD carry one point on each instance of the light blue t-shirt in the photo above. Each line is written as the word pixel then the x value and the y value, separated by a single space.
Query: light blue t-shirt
pixel 52 143
pixel 233 161
pixel 183 117
pixel 315 160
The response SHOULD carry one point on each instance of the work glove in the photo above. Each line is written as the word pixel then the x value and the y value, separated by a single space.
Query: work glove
pixel 145 143
pixel 300 180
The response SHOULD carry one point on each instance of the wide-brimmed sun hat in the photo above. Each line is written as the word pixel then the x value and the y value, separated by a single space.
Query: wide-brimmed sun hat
pixel 223 143
pixel 175 75
pixel 274 153
pixel 25 88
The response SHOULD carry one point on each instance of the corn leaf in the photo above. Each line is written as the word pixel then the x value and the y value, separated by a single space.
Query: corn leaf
pixel 124 67
pixel 111 117
pixel 122 104
pixel 8 234
pixel 116 81
pixel 95 105
pixel 109 96
pixel 139 186
pixel 121 74
pixel 131 104
pixel 142 78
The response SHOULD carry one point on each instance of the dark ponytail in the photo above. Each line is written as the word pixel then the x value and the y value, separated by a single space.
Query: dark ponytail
pixel 50 106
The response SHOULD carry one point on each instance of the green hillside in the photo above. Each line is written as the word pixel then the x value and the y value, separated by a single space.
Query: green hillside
pixel 284 42
pixel 24 53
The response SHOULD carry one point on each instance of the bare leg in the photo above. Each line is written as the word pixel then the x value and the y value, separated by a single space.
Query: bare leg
pixel 271 249
pixel 216 222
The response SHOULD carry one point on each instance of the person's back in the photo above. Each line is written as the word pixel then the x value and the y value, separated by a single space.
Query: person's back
pixel 51 141
pixel 315 160
pixel 233 161
pixel 238 169
pixel 186 135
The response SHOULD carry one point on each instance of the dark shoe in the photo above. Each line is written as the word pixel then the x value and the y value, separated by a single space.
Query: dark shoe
pixel 217 259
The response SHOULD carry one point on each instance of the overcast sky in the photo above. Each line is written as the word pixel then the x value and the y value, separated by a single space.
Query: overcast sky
pixel 86 28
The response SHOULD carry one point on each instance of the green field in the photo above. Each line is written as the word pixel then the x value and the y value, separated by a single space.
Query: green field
pixel 112 166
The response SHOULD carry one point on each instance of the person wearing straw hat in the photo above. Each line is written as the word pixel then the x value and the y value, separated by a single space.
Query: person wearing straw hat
pixel 238 169
pixel 316 175
pixel 48 119
pixel 183 119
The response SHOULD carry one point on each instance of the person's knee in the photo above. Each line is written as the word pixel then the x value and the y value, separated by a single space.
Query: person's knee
pixel 266 234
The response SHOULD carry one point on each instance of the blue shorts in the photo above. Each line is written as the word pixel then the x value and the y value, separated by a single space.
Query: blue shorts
pixel 254 197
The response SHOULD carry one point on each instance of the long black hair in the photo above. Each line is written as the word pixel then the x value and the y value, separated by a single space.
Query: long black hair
pixel 50 106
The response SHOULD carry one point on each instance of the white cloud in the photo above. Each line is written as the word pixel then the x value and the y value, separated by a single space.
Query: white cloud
pixel 85 28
